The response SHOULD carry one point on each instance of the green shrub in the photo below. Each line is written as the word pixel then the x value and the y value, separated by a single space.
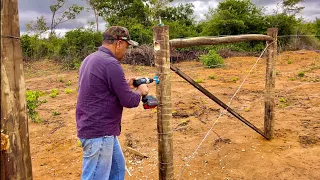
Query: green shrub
pixel 32 103
pixel 301 74
pixel 212 77
pixel 68 83
pixel 199 80
pixel 54 93
pixel 234 79
pixel 283 100
pixel 56 113
pixel 212 60
pixel 68 91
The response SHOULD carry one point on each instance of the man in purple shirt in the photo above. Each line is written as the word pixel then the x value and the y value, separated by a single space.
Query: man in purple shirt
pixel 103 92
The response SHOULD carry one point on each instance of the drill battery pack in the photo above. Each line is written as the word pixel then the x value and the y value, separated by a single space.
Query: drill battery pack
pixel 149 102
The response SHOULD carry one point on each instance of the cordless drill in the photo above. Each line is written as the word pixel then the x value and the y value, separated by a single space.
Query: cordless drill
pixel 148 101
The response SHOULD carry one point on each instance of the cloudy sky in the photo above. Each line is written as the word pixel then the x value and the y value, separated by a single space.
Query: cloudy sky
pixel 29 10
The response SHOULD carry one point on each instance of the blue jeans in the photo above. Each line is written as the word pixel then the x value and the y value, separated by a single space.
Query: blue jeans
pixel 102 159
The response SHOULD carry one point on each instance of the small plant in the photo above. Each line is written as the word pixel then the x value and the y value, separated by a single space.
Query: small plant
pixel 138 68
pixel 212 77
pixel 283 100
pixel 68 91
pixel 56 113
pixel 292 79
pixel 234 79
pixel 54 93
pixel 212 60
pixel 68 83
pixel 32 103
pixel 277 72
pixel 79 143
pixel 61 80
pixel 301 74
pixel 289 62
pixel 199 80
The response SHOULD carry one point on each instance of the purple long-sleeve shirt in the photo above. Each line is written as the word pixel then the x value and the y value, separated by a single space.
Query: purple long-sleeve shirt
pixel 103 92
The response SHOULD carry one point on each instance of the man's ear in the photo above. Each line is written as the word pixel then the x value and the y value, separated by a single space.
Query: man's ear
pixel 117 44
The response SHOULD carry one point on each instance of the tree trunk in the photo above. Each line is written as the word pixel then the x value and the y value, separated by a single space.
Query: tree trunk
pixel 97 18
pixel 52 21
pixel 15 158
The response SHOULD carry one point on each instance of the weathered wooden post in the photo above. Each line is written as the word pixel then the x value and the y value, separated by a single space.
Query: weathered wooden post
pixel 270 84
pixel 15 156
pixel 164 111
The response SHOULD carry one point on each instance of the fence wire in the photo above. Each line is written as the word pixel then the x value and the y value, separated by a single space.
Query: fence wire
pixel 222 112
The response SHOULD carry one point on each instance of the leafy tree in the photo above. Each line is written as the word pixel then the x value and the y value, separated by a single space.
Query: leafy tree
pixel 182 13
pixel 78 44
pixel 135 15
pixel 285 24
pixel 180 20
pixel 157 5
pixel 114 10
pixel 67 14
pixel 290 7
pixel 38 27
pixel 234 17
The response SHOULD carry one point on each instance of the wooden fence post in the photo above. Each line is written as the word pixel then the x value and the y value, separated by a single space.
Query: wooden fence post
pixel 15 156
pixel 164 111
pixel 270 84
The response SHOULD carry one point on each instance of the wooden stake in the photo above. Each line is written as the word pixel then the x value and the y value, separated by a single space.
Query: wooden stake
pixel 270 84
pixel 164 111
pixel 15 160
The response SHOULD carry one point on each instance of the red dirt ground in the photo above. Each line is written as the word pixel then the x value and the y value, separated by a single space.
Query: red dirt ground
pixel 231 151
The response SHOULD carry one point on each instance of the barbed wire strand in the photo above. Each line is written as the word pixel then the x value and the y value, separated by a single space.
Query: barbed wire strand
pixel 222 112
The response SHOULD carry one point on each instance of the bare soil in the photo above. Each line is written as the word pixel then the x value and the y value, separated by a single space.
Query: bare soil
pixel 231 151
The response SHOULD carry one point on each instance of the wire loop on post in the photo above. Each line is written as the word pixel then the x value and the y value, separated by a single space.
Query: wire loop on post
pixel 12 37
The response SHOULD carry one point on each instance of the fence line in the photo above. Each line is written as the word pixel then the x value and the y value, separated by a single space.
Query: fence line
pixel 222 112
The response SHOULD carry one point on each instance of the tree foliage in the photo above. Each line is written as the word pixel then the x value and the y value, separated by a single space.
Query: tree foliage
pixel 39 27
pixel 317 27
pixel 290 7
pixel 234 17
pixel 66 14
pixel 231 17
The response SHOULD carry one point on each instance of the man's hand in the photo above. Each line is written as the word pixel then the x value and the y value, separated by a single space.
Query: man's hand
pixel 142 89
pixel 130 82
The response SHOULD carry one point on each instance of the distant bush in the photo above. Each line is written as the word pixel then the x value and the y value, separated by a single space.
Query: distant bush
pixel 212 60
pixel 78 44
